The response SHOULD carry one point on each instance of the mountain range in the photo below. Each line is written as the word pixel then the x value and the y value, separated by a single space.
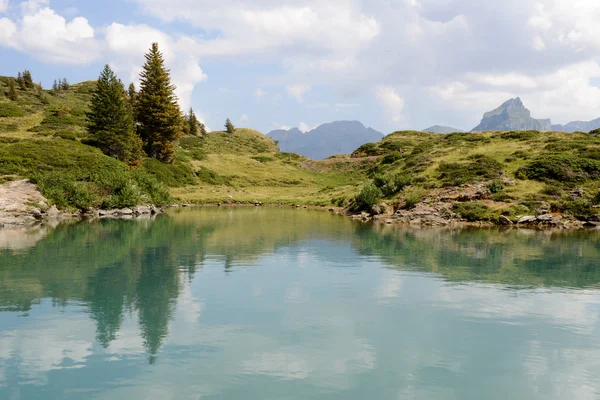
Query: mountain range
pixel 343 137
pixel 340 137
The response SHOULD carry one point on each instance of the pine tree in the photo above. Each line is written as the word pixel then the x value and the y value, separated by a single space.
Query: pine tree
pixel 64 85
pixel 157 111
pixel 55 86
pixel 21 82
pixel 12 90
pixel 111 122
pixel 132 96
pixel 27 79
pixel 229 126
pixel 192 122
pixel 202 129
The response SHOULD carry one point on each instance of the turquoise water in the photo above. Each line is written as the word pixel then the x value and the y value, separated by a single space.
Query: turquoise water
pixel 295 304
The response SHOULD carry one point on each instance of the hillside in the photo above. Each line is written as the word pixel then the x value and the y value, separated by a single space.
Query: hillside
pixel 441 129
pixel 340 137
pixel 475 176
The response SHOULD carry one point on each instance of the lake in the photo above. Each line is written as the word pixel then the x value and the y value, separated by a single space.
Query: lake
pixel 269 303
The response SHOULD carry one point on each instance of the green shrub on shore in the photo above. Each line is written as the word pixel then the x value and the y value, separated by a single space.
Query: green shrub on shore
pixel 368 197
pixel 413 196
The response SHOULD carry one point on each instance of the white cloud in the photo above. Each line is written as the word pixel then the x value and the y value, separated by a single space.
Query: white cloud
pixel 244 119
pixel 49 36
pixel 304 127
pixel 298 91
pixel 391 102
pixel 3 5
pixel 127 45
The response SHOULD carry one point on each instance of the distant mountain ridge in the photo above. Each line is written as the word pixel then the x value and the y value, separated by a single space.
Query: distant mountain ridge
pixel 340 137
pixel 575 126
pixel 512 115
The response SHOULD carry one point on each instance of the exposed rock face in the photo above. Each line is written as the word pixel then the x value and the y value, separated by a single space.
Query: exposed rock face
pixel 512 115
pixel 341 137
pixel 441 129
pixel 21 204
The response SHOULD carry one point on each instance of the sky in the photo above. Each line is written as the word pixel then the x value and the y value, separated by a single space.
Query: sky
pixel 271 64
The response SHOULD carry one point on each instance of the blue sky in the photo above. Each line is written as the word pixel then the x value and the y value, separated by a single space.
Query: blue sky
pixel 267 64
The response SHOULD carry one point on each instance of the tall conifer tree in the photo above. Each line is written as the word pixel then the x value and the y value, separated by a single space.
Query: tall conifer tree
pixel 157 111
pixel 132 95
pixel 21 82
pixel 27 79
pixel 111 122
pixel 12 90
pixel 192 123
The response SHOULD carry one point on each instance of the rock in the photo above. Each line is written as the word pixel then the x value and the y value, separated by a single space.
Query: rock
pixel 376 210
pixel 504 220
pixel 37 214
pixel 52 213
pixel 155 210
pixel 332 209
pixel 124 211
pixel 389 221
pixel 591 224
pixel 142 210
pixel 104 213
pixel 512 116
pixel 528 220
pixel 545 218
pixel 594 218
pixel 577 193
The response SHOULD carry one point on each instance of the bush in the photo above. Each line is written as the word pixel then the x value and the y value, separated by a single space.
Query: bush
pixel 496 186
pixel 391 158
pixel 208 176
pixel 177 174
pixel 367 150
pixel 479 168
pixel 413 196
pixel 561 168
pixel 520 135
pixel 579 208
pixel 368 197
pixel 10 110
pixel 392 184
pixel 473 212
pixel 63 190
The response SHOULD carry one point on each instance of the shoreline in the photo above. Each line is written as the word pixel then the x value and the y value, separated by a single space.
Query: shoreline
pixel 22 205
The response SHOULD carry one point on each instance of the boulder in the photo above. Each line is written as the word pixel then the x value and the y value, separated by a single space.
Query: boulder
pixel 504 220
pixel 142 210
pixel 529 219
pixel 124 211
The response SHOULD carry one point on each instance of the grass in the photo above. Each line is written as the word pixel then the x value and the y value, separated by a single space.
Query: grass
pixel 43 133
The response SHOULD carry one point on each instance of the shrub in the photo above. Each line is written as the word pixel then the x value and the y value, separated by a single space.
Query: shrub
pixel 479 167
pixel 177 174
pixel 561 168
pixel 496 186
pixel 63 190
pixel 413 196
pixel 368 197
pixel 208 176
pixel 579 208
pixel 520 135
pixel 10 110
pixel 367 150
pixel 391 158
pixel 473 212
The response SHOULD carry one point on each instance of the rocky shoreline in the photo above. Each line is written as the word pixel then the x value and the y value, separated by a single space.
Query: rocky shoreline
pixel 22 205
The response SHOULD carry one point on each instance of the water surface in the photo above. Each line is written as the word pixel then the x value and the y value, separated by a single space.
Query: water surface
pixel 295 304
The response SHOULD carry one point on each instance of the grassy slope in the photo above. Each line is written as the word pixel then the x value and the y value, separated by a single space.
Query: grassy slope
pixel 44 132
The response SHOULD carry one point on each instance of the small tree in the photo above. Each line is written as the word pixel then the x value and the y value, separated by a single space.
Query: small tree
pixel 21 81
pixel 27 79
pixel 111 122
pixel 132 96
pixel 202 129
pixel 229 126
pixel 157 112
pixel 12 90
pixel 192 123
pixel 55 86
pixel 64 85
